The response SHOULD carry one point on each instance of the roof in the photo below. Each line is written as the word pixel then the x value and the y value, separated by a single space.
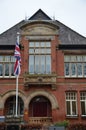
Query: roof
pixel 39 15
pixel 67 36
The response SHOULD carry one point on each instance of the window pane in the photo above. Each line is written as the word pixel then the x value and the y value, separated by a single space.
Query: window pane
pixel 13 59
pixel 12 69
pixel 31 64
pixel 43 51
pixel 37 44
pixel 31 51
pixel 73 108
pixel 48 50
pixel 66 69
pixel 6 69
pixel 43 64
pixel 79 58
pixel 31 44
pixel 84 70
pixel 73 69
pixel 83 108
pixel 68 107
pixel 7 58
pixel 84 58
pixel 67 58
pixel 48 44
pixel 1 58
pixel 37 51
pixel 73 58
pixel 42 44
pixel 48 64
pixel 79 69
pixel 37 60
pixel 1 69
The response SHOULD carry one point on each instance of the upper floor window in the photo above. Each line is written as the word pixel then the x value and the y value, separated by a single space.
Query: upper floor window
pixel 40 57
pixel 83 103
pixel 7 66
pixel 71 104
pixel 75 66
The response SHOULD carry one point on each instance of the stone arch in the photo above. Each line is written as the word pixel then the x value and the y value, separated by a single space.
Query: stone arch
pixel 12 93
pixel 46 94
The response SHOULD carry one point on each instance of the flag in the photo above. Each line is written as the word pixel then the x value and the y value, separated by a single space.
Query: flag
pixel 17 55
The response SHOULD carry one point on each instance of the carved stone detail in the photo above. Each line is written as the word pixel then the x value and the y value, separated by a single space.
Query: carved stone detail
pixel 40 79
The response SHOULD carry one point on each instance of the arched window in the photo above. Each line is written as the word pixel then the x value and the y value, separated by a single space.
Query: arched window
pixel 10 106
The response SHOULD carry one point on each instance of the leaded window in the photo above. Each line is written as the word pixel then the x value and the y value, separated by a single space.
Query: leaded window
pixel 75 65
pixel 7 66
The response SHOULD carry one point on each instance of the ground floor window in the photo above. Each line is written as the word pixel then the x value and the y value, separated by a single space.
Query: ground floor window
pixel 71 104
pixel 83 103
pixel 10 106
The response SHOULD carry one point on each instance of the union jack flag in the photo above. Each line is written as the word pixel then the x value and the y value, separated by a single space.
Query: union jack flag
pixel 17 55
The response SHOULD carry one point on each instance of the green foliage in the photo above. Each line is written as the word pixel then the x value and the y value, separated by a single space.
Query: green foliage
pixel 64 123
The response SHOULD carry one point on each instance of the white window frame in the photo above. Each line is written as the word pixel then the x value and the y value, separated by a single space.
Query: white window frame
pixel 40 49
pixel 83 99
pixel 10 60
pixel 71 97
pixel 75 59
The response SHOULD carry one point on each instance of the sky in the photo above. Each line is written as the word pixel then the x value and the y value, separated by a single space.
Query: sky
pixel 71 13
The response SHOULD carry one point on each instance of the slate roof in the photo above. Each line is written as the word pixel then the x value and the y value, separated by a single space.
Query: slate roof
pixel 66 35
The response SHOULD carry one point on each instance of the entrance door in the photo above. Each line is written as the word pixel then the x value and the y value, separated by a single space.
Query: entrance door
pixel 12 127
pixel 40 107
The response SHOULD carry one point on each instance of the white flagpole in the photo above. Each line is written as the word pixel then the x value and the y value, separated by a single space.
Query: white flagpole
pixel 17 84
pixel 16 96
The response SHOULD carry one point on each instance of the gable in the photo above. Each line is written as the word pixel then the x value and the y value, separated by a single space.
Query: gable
pixel 39 15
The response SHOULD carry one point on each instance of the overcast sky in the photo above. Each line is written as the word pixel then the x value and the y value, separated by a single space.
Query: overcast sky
pixel 70 12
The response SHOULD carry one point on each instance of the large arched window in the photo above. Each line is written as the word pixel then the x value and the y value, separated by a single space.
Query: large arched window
pixel 10 106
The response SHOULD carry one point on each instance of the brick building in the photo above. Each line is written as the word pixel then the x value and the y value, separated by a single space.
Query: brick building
pixel 52 83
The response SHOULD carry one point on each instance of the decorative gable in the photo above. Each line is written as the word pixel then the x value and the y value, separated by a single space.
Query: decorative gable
pixel 39 28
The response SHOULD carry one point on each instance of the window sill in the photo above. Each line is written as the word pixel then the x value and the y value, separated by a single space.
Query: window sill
pixel 83 116
pixel 6 77
pixel 66 77
pixel 72 116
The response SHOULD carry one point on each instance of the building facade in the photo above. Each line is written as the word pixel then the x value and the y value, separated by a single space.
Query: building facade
pixel 52 83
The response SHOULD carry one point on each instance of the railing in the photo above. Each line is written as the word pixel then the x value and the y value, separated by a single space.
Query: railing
pixel 13 119
pixel 40 120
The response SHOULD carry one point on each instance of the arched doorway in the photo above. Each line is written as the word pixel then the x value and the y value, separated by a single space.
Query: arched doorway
pixel 10 106
pixel 40 106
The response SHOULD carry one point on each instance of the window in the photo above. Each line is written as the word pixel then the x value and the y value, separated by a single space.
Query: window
pixel 75 66
pixel 83 103
pixel 71 104
pixel 39 57
pixel 7 66
pixel 10 106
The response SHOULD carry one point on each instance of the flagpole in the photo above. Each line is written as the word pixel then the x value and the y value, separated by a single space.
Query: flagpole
pixel 16 96
pixel 17 83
